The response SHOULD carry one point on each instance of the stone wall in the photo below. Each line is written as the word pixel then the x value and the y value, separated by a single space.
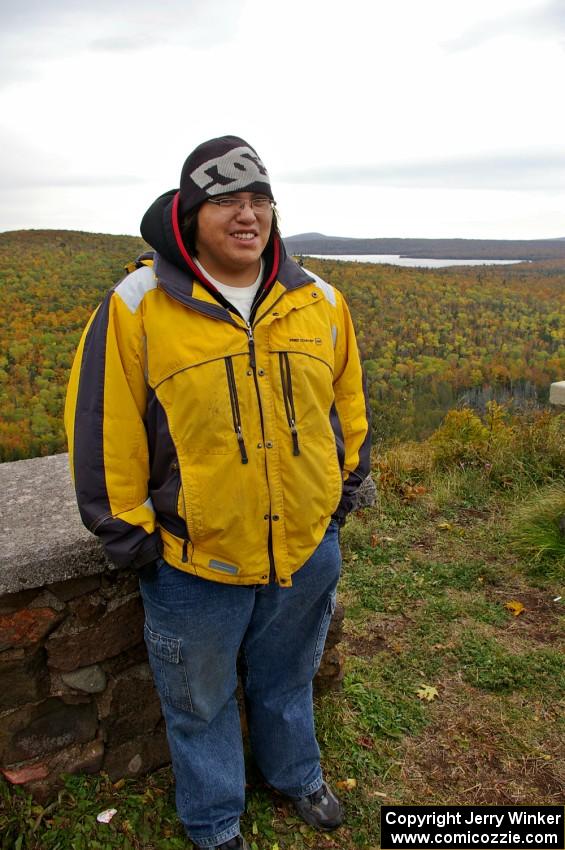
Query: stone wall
pixel 76 693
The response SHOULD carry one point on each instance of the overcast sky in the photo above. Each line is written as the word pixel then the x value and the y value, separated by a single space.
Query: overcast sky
pixel 374 117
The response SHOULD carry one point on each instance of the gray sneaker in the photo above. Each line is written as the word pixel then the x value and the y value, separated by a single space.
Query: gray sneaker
pixel 322 809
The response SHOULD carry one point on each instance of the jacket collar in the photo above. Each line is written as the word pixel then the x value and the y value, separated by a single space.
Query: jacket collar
pixel 291 275
pixel 180 285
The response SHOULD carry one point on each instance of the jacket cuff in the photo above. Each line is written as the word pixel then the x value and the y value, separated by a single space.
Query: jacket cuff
pixel 150 552
pixel 340 516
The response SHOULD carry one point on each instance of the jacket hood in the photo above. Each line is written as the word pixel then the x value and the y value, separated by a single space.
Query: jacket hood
pixel 157 229
pixel 161 229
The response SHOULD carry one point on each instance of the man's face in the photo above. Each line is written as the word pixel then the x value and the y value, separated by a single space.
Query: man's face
pixel 230 241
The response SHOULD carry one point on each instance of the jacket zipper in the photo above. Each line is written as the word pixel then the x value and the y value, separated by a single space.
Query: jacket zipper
pixel 251 338
pixel 253 365
pixel 235 409
pixel 186 541
pixel 286 381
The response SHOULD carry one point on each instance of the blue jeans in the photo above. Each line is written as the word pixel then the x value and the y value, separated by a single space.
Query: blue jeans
pixel 194 630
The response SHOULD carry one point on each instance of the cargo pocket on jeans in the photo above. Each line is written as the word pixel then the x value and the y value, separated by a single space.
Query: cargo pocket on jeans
pixel 323 630
pixel 169 672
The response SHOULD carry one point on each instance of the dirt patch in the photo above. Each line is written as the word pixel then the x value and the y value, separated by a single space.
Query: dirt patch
pixel 469 756
pixel 425 543
pixel 380 634
pixel 539 621
pixel 470 516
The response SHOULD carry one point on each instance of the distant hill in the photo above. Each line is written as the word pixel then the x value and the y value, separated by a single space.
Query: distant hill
pixel 448 249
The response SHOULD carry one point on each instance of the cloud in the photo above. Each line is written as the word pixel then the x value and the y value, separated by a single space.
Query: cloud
pixel 117 44
pixel 35 32
pixel 542 170
pixel 28 15
pixel 25 166
pixel 68 181
pixel 547 20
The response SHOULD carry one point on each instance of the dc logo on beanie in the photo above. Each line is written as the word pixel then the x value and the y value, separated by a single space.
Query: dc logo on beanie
pixel 231 172
pixel 223 165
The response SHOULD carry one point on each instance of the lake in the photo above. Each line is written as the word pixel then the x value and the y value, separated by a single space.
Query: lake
pixel 397 260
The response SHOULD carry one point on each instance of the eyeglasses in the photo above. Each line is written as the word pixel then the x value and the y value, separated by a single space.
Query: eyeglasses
pixel 258 205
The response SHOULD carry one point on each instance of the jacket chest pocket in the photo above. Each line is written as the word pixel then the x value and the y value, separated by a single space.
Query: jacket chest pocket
pixel 208 407
pixel 288 398
pixel 304 395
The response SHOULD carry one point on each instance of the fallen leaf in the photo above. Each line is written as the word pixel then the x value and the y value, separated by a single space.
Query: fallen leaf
pixel 514 607
pixel 377 539
pixel 411 492
pixel 106 816
pixel 119 784
pixel 347 784
pixel 445 526
pixel 427 692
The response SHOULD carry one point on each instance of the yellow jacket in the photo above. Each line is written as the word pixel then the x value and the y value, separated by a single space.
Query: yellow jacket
pixel 225 446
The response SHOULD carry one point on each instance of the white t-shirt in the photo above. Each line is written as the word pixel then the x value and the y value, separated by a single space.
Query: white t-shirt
pixel 240 296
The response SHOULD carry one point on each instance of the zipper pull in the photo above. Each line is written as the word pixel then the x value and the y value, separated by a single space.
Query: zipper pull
pixel 251 346
pixel 244 458
pixel 294 432
pixel 184 558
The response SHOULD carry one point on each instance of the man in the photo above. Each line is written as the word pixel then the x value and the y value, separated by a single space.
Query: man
pixel 218 432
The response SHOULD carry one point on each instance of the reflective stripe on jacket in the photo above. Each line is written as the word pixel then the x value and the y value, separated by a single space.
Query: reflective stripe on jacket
pixel 226 446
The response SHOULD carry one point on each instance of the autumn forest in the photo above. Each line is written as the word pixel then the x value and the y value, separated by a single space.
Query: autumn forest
pixel 431 339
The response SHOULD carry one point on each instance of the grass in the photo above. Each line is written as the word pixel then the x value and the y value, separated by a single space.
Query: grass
pixel 487 665
pixel 146 817
pixel 539 525
pixel 428 577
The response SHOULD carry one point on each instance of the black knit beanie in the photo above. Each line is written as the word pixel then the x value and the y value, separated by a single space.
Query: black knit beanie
pixel 218 167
